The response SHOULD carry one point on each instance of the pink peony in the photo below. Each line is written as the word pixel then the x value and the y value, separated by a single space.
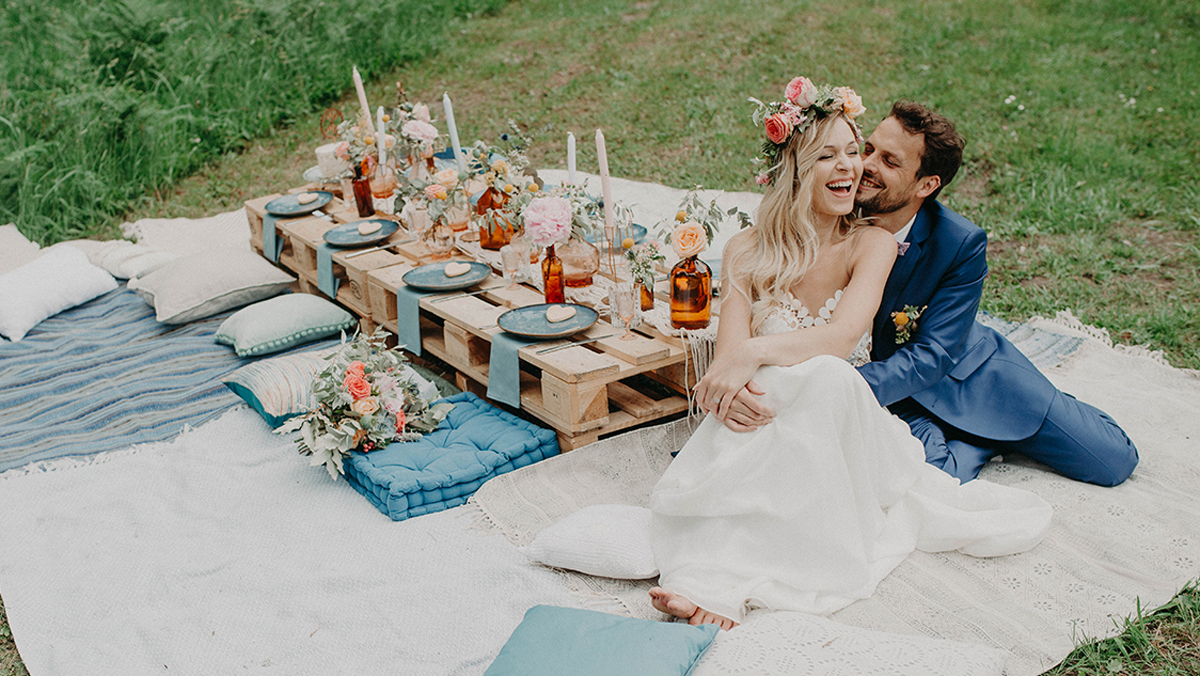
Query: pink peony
pixel 778 128
pixel 419 130
pixel 357 386
pixel 421 112
pixel 548 220
pixel 801 92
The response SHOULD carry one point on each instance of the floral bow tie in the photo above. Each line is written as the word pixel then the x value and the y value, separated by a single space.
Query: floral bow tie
pixel 902 247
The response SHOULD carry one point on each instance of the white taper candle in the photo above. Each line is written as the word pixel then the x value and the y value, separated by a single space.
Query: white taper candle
pixel 362 101
pixel 570 158
pixel 458 153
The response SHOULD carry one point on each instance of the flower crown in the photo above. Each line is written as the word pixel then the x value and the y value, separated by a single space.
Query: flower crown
pixel 804 104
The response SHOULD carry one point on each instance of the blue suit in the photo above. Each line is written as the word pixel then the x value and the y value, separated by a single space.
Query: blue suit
pixel 966 391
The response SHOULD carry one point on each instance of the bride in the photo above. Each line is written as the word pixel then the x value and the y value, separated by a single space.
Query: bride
pixel 809 509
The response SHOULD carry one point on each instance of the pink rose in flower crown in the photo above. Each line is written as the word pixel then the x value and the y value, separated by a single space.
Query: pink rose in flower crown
pixel 762 179
pixel 357 386
pixel 421 112
pixel 689 239
pixel 801 92
pixel 778 127
pixel 365 406
pixel 548 220
pixel 419 130
pixel 851 102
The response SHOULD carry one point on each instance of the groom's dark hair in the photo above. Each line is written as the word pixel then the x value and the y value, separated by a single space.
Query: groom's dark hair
pixel 943 146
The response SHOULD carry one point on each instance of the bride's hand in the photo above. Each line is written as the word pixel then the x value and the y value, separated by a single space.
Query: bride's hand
pixel 726 377
pixel 747 413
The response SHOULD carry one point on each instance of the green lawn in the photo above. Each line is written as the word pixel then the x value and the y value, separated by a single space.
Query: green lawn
pixel 1082 157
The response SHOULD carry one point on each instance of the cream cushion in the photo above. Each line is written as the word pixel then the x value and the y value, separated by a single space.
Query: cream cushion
pixel 604 540
pixel 55 281
pixel 203 284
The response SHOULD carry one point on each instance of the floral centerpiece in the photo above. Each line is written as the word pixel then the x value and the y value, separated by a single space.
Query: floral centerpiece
pixel 642 259
pixel 359 147
pixel 413 124
pixel 696 224
pixel 803 103
pixel 364 402
pixel 445 193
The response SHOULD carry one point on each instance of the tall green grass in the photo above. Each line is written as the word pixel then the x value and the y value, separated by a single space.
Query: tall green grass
pixel 105 101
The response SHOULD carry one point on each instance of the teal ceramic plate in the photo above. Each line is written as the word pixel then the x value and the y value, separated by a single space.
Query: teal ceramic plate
pixel 313 175
pixel 637 232
pixel 433 277
pixel 288 205
pixel 347 235
pixel 531 321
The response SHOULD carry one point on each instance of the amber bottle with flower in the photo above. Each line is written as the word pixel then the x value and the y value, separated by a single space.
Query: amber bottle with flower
pixel 691 278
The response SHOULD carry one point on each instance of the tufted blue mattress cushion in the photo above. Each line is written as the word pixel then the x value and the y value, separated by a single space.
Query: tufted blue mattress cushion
pixel 476 442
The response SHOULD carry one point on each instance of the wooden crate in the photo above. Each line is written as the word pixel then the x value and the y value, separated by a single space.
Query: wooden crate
pixel 582 391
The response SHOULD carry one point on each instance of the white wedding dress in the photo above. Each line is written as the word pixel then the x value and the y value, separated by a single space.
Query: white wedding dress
pixel 811 511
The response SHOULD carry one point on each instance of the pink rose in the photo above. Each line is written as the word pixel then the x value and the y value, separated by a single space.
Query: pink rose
pixel 689 239
pixel 357 368
pixel 357 386
pixel 851 102
pixel 762 179
pixel 793 115
pixel 342 151
pixel 421 112
pixel 778 128
pixel 801 92
pixel 447 178
pixel 365 406
pixel 419 130
pixel 435 191
pixel 548 220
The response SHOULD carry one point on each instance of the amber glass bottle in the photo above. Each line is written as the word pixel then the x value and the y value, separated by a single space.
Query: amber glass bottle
pixel 647 297
pixel 552 277
pixel 691 294
pixel 494 231
pixel 362 193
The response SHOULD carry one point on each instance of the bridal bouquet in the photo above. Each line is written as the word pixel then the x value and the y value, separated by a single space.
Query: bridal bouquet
pixel 364 402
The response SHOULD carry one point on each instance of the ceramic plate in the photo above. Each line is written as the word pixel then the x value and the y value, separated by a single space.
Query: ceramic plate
pixel 433 277
pixel 313 175
pixel 637 232
pixel 347 234
pixel 288 205
pixel 531 321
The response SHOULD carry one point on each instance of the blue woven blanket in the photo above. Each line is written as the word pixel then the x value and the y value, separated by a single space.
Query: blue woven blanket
pixel 105 375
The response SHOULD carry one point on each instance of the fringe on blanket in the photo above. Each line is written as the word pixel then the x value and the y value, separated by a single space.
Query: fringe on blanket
pixel 1065 319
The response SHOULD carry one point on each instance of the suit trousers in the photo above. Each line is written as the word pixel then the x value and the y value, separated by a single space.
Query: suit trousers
pixel 1076 440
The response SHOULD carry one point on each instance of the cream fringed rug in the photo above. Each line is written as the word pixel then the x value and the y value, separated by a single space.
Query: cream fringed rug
pixel 1108 550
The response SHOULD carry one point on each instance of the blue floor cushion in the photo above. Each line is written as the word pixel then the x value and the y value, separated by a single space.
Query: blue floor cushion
pixel 476 442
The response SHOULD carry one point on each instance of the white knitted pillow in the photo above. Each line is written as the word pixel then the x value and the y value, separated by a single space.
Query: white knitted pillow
pixel 604 540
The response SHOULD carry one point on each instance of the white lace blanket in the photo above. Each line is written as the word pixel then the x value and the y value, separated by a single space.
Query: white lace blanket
pixel 1108 550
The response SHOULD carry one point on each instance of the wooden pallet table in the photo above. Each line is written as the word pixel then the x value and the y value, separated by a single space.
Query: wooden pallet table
pixel 582 391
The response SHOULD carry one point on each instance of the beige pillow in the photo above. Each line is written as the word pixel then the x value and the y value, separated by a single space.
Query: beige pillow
pixel 208 282
pixel 15 249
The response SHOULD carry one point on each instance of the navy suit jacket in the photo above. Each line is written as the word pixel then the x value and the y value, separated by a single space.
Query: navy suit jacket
pixel 964 373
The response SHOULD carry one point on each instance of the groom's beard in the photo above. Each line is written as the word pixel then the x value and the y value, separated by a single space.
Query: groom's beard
pixel 885 201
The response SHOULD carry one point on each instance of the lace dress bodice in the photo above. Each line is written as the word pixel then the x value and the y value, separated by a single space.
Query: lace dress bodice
pixel 792 315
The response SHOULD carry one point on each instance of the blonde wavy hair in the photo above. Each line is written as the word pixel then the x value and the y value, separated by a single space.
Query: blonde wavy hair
pixel 783 244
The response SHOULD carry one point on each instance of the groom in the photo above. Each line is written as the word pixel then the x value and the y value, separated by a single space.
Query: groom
pixel 963 389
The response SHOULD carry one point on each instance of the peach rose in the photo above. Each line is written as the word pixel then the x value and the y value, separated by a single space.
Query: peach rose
pixel 357 368
pixel 446 177
pixel 851 103
pixel 357 386
pixel 435 191
pixel 801 92
pixel 689 239
pixel 778 127
pixel 365 406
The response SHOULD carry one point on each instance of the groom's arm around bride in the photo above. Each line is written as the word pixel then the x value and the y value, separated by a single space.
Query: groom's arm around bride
pixel 964 389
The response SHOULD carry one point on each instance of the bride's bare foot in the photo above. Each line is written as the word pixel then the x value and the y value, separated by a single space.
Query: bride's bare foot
pixel 673 604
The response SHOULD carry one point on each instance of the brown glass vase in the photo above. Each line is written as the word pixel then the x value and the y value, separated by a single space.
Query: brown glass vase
pixel 580 261
pixel 691 294
pixel 647 294
pixel 494 229
pixel 552 277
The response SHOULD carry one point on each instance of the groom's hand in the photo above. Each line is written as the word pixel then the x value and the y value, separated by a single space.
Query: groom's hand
pixel 746 413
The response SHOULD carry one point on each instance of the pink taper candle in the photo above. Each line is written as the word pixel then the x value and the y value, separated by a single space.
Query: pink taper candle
pixel 362 101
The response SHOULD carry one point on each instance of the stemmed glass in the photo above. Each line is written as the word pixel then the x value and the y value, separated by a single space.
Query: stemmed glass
pixel 511 256
pixel 623 300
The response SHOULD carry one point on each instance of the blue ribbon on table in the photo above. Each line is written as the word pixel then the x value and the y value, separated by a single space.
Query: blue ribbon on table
pixel 408 318
pixel 504 368
pixel 272 245
pixel 326 282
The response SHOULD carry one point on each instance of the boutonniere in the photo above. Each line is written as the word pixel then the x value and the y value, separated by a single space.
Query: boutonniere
pixel 905 322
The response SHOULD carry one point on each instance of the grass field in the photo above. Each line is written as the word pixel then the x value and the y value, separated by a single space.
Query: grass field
pixel 1082 157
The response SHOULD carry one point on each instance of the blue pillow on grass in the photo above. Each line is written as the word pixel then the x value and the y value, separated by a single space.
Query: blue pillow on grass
pixel 551 641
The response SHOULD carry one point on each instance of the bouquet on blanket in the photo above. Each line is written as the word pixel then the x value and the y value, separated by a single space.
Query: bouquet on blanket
pixel 363 403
